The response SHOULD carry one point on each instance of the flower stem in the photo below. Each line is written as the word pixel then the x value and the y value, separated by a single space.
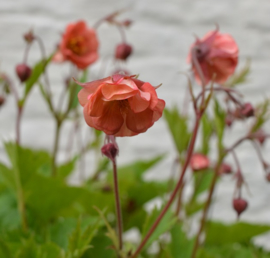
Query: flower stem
pixel 55 148
pixel 176 189
pixel 206 208
pixel 117 205
pixel 18 124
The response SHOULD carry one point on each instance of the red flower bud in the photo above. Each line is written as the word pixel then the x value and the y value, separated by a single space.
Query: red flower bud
pixel 260 136
pixel 29 37
pixel 2 100
pixel 123 51
pixel 229 120
pixel 23 71
pixel 127 23
pixel 239 205
pixel 199 162
pixel 247 110
pixel 110 150
pixel 225 169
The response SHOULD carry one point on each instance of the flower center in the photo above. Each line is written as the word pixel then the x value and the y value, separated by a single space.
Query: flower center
pixel 123 106
pixel 201 51
pixel 78 45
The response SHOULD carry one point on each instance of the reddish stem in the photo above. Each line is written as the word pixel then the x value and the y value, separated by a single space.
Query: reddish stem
pixel 205 211
pixel 175 191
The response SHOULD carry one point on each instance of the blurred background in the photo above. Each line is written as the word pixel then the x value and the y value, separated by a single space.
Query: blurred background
pixel 161 35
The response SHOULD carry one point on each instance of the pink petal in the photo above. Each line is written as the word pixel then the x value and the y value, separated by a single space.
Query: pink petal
pixel 158 110
pixel 118 91
pixel 147 87
pixel 139 122
pixel 83 96
pixel 137 103
pixel 92 86
pixel 111 120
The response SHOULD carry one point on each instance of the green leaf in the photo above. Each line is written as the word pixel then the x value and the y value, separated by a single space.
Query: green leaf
pixel 38 69
pixel 203 181
pixel 180 245
pixel 240 232
pixel 177 124
pixel 9 215
pixel 79 241
pixel 219 121
pixel 165 225
pixel 48 196
pixel 207 130
pixel 4 250
pixel 7 177
pixel 193 207
pixel 64 170
pixel 239 77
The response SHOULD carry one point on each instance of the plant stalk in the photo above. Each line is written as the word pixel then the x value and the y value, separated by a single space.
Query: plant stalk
pixel 117 205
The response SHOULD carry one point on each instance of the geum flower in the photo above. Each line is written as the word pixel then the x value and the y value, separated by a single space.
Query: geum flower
pixel 79 45
pixel 120 105
pixel 217 56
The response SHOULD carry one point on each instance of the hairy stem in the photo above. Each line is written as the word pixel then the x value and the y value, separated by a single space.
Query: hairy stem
pixel 117 205
pixel 206 208
pixel 55 147
pixel 176 189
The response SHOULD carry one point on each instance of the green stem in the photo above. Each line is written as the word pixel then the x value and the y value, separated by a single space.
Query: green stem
pixel 55 148
pixel 118 206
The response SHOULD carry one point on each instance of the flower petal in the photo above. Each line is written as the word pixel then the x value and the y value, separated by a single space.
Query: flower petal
pixel 139 122
pixel 118 91
pixel 111 120
pixel 158 110
pixel 147 87
pixel 137 103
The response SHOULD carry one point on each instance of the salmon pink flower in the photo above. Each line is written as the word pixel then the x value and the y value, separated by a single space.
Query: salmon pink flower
pixel 120 105
pixel 216 55
pixel 79 45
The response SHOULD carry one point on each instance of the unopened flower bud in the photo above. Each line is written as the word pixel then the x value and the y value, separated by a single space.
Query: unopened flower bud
pixel 110 150
pixel 260 136
pixel 268 177
pixel 127 23
pixel 229 120
pixel 199 162
pixel 239 205
pixel 29 37
pixel 247 110
pixel 225 169
pixel 2 100
pixel 23 71
pixel 123 51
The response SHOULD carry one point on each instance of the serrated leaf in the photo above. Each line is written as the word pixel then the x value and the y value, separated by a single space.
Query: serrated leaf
pixel 180 245
pixel 240 232
pixel 165 225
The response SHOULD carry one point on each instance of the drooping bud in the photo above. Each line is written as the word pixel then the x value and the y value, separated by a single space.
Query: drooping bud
pixel 199 162
pixel 110 149
pixel 29 37
pixel 260 136
pixel 127 23
pixel 229 120
pixel 123 51
pixel 239 205
pixel 23 72
pixel 225 169
pixel 2 100
pixel 247 110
